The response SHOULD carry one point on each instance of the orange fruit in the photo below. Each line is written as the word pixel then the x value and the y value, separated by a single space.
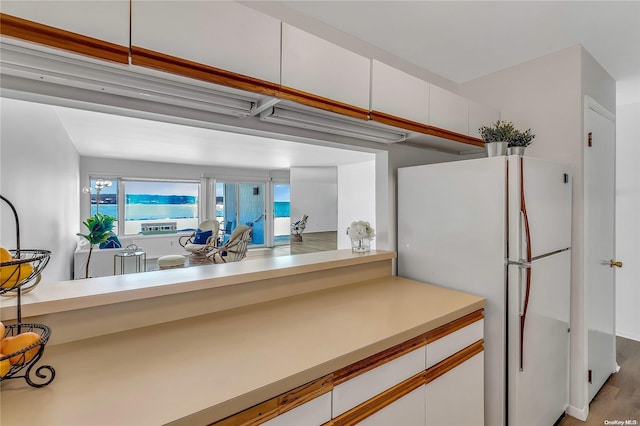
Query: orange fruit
pixel 2 330
pixel 19 342
pixel 5 366
pixel 13 274
pixel 3 342
pixel 4 254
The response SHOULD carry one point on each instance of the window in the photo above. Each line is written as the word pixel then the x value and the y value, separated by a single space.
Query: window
pixel 153 207
pixel 146 206
pixel 104 198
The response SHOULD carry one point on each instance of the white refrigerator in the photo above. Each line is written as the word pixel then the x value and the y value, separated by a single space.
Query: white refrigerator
pixel 500 228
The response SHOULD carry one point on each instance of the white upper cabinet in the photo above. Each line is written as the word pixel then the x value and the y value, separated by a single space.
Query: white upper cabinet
pixel 316 66
pixel 399 94
pixel 106 20
pixel 448 110
pixel 221 34
pixel 480 115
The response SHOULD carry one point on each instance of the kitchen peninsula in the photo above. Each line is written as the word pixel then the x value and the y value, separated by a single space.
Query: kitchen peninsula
pixel 287 336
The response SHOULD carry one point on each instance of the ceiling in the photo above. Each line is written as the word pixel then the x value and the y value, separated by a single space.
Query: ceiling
pixel 97 134
pixel 459 40
pixel 464 40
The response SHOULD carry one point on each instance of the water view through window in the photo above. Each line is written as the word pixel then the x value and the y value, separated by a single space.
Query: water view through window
pixel 161 206
pixel 281 213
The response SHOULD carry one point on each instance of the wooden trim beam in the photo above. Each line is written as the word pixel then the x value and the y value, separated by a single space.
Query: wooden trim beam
pixel 309 99
pixel 453 136
pixel 23 29
pixel 392 120
pixel 426 129
pixel 172 64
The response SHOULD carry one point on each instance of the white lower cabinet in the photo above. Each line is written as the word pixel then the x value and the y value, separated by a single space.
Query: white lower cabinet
pixel 409 410
pixel 405 385
pixel 312 413
pixel 456 397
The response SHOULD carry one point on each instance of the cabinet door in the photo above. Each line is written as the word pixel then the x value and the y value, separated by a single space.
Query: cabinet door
pixel 448 110
pixel 312 413
pixel 316 66
pixel 480 115
pixel 398 93
pixel 456 397
pixel 221 34
pixel 106 20
pixel 406 411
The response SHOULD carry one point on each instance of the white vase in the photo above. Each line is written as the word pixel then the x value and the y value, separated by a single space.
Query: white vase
pixel 361 246
pixel 496 149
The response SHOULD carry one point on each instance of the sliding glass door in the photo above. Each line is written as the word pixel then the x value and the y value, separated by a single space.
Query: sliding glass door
pixel 241 203
pixel 281 213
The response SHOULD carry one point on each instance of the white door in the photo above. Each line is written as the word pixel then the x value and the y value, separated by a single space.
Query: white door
pixel 599 245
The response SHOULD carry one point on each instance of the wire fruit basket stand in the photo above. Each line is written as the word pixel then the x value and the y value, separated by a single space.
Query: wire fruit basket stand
pixel 20 271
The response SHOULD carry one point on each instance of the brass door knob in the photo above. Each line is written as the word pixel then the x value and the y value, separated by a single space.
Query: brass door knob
pixel 613 263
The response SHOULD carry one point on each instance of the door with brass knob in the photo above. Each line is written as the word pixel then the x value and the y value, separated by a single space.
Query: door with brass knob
pixel 601 265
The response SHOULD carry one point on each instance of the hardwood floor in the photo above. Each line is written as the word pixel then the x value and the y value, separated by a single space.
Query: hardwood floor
pixel 619 398
pixel 311 242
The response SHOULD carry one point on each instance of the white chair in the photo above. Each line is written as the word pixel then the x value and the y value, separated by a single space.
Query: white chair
pixel 297 228
pixel 233 250
pixel 203 240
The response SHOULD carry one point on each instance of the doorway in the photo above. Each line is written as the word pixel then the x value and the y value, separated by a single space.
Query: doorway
pixel 600 244
pixel 241 203
pixel 281 213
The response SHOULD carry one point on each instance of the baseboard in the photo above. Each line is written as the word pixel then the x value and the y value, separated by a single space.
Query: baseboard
pixel 628 335
pixel 579 413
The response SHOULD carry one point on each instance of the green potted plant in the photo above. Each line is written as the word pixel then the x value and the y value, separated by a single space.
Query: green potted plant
pixel 497 136
pixel 99 227
pixel 519 141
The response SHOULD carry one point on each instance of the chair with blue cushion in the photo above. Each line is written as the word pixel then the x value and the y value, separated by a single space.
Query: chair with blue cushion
pixel 203 240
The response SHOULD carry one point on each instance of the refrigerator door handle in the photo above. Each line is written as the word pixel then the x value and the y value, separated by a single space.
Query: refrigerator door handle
pixel 522 264
pixel 527 292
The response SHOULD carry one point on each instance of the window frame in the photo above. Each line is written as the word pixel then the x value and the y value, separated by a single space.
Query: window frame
pixel 121 196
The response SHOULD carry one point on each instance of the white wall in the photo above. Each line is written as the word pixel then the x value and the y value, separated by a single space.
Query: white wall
pixel 546 95
pixel 356 198
pixel 627 225
pixel 39 175
pixel 314 192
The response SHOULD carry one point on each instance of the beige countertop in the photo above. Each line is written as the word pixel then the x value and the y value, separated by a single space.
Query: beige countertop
pixel 202 369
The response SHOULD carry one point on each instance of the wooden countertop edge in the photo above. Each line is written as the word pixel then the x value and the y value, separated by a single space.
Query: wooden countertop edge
pixel 209 276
